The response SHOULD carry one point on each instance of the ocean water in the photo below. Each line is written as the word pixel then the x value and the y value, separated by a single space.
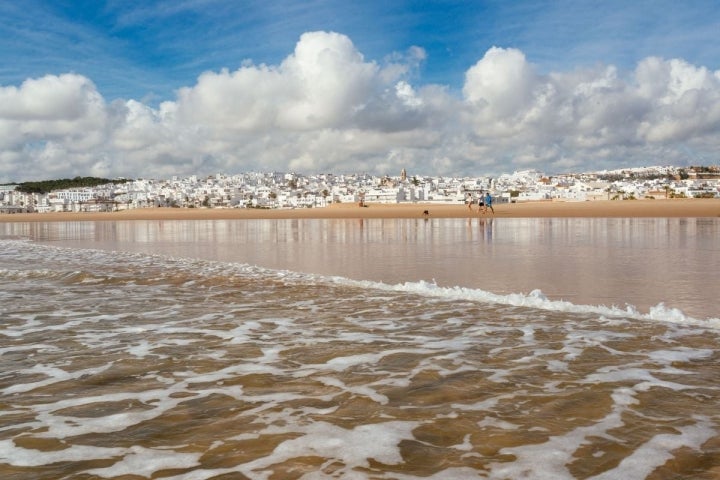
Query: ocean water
pixel 360 349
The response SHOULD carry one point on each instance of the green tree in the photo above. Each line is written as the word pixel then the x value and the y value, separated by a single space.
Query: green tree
pixel 47 186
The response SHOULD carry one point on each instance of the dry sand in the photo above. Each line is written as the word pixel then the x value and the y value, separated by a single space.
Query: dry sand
pixel 694 207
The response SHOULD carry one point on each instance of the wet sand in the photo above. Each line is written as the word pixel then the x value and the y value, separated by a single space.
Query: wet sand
pixel 547 209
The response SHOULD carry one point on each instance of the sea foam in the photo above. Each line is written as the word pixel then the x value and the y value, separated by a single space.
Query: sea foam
pixel 536 299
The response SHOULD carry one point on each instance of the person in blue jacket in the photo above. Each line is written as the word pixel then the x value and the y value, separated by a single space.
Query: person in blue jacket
pixel 488 203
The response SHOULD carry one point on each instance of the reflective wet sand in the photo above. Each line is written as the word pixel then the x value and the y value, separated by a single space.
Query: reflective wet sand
pixel 640 262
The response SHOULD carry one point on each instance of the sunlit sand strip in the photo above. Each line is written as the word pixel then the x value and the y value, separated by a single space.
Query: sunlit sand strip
pixel 662 208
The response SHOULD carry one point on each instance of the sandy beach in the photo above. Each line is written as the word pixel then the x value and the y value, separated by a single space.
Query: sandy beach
pixel 596 209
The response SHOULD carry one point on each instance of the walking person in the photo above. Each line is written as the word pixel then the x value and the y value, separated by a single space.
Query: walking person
pixel 480 203
pixel 488 203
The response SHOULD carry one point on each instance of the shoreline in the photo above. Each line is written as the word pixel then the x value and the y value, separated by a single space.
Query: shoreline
pixel 662 208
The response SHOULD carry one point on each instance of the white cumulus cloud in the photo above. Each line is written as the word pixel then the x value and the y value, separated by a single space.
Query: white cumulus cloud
pixel 326 108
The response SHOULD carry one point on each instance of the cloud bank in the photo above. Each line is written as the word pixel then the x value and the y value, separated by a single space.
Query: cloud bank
pixel 326 108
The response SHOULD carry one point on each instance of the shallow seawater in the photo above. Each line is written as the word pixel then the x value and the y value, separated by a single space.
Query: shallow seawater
pixel 642 262
pixel 135 351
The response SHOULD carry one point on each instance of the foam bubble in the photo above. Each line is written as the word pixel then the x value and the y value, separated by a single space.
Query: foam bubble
pixel 658 450
pixel 11 454
pixel 53 374
pixel 144 462
pixel 353 447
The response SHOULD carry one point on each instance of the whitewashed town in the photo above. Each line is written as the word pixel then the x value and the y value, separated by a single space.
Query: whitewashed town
pixel 292 190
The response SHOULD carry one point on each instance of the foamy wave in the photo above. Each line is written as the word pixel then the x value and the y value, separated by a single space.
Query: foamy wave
pixel 536 299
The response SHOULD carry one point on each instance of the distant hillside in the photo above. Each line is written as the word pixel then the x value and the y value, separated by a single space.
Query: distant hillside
pixel 46 186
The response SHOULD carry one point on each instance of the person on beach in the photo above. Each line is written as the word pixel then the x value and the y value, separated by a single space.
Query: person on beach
pixel 480 202
pixel 488 203
pixel 469 201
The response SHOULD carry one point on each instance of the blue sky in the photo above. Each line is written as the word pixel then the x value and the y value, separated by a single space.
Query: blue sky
pixel 136 49
pixel 147 51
